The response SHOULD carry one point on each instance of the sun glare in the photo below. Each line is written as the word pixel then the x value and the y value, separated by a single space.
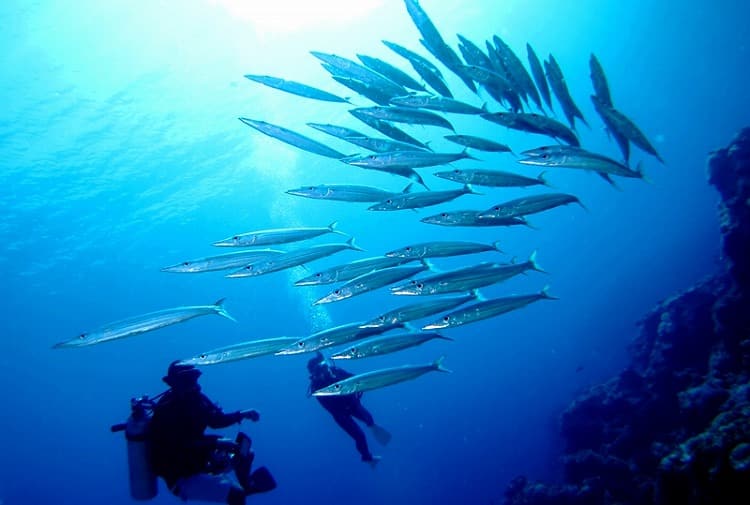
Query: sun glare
pixel 281 16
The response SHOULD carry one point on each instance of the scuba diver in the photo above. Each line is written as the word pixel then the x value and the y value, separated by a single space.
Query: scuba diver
pixel 345 408
pixel 166 438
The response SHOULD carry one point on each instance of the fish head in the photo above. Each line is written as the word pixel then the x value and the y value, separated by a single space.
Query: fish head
pixel 444 218
pixel 495 212
pixel 204 358
pixel 298 347
pixel 337 389
pixel 309 191
pixel 335 295
pixel 446 321
pixel 388 204
pixel 79 340
pixel 413 288
pixel 316 279
pixel 184 267
pixel 350 353
pixel 408 251
pixel 236 241
pixel 246 271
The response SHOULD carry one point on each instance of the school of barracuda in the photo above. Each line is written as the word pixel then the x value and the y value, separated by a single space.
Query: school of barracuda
pixel 451 298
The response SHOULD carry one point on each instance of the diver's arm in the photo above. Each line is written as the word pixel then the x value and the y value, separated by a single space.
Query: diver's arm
pixel 217 418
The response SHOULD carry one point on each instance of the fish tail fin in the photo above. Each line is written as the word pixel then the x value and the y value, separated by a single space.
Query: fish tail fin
pixel 352 245
pixel 582 205
pixel 430 266
pixel 479 296
pixel 543 181
pixel 470 191
pixel 221 310
pixel 641 174
pixel 332 229
pixel 529 225
pixel 496 246
pixel 534 264
pixel 545 294
pixel 438 365
pixel 484 108
pixel 465 154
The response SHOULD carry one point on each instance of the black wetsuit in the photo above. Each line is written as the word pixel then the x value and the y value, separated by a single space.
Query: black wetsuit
pixel 345 408
pixel 179 447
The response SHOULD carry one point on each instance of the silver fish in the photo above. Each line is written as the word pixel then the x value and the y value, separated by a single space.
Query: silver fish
pixel 478 143
pixel 528 205
pixel 486 309
pixel 370 282
pixel 349 271
pixel 441 249
pixel 345 192
pixel 405 115
pixel 491 178
pixel 560 89
pixel 404 159
pixel 379 379
pixel 429 72
pixel 276 236
pixel 470 218
pixel 440 103
pixel 386 344
pixel 421 199
pixel 359 72
pixel 296 88
pixel 143 323
pixel 393 73
pixel 538 72
pixel 292 138
pixel 419 310
pixel 583 160
pixel 599 81
pixel 387 129
pixel 291 259
pixel 620 123
pixel 340 132
pixel 338 335
pixel 466 278
pixel 381 145
pixel 220 261
pixel 244 350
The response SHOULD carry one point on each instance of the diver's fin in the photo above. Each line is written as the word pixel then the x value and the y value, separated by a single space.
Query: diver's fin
pixel 381 434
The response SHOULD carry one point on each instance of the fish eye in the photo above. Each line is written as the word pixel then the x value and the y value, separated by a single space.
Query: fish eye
pixel 185 263
pixel 301 344
pixel 311 188
pixel 337 386
pixel 420 285
pixel 203 356
pixel 408 249
pixel 318 275
pixel 545 156
pixel 82 336
pixel 336 292
pixel 444 214
pixel 372 156
pixel 456 171
pixel 446 319
pixel 236 237
pixel 389 201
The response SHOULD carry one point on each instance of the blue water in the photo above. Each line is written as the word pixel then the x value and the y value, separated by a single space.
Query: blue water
pixel 121 153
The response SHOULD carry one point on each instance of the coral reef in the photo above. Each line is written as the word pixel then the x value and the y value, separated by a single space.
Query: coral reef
pixel 674 427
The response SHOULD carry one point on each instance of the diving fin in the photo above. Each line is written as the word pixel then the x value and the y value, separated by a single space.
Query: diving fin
pixel 381 434
pixel 261 481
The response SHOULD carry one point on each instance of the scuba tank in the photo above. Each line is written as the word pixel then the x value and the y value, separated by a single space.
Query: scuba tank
pixel 143 482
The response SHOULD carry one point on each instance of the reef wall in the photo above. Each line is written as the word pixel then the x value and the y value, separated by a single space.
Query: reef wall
pixel 674 426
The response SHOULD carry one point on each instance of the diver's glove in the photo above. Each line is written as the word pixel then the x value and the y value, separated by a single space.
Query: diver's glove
pixel 251 414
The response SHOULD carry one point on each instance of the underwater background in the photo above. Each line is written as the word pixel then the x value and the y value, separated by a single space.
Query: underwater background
pixel 121 153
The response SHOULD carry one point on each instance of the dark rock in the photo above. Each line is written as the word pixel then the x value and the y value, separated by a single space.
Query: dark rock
pixel 674 427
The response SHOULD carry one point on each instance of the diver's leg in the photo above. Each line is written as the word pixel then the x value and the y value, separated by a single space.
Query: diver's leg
pixel 361 413
pixel 348 424
pixel 208 488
